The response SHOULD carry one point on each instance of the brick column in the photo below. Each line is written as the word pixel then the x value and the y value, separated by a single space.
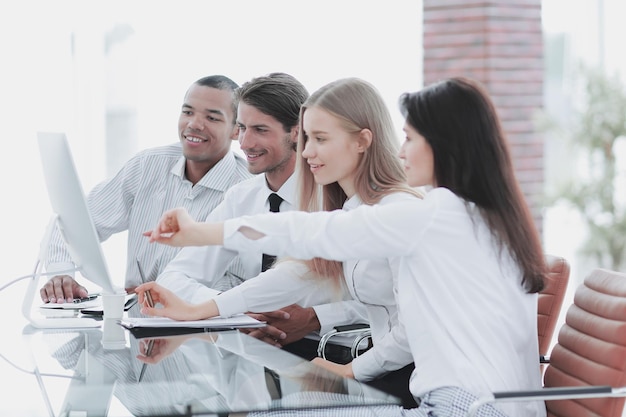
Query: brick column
pixel 500 44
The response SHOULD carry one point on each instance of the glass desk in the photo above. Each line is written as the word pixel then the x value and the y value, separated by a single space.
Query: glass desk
pixel 98 372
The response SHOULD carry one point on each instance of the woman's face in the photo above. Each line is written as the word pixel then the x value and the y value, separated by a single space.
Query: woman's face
pixel 417 156
pixel 332 153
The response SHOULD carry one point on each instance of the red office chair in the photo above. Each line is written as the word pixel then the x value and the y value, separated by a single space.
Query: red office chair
pixel 551 301
pixel 586 376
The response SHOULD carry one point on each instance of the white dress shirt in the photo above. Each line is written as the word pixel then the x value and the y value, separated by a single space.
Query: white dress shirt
pixel 195 268
pixel 198 273
pixel 468 320
pixel 150 183
pixel 371 282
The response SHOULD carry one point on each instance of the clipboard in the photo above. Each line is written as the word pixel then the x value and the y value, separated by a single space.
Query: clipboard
pixel 159 332
pixel 160 326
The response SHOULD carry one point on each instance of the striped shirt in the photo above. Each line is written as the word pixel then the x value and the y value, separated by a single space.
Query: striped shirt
pixel 150 183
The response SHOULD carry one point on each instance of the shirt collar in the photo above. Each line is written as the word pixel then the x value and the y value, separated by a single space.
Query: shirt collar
pixel 215 177
pixel 287 192
pixel 352 202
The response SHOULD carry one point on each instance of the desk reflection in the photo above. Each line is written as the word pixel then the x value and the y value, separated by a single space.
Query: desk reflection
pixel 196 373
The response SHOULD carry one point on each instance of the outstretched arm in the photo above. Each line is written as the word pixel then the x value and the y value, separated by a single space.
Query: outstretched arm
pixel 173 306
pixel 367 232
pixel 177 228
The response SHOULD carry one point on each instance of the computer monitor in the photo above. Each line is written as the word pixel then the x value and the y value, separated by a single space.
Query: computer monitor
pixel 68 203
pixel 73 220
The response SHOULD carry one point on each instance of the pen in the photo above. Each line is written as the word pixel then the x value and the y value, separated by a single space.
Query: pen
pixel 143 279
pixel 148 298
pixel 82 300
pixel 141 274
pixel 150 304
pixel 148 353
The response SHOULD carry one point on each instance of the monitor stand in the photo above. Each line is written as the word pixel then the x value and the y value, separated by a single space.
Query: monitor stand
pixel 31 292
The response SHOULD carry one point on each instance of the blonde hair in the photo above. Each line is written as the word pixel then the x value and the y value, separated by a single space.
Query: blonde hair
pixel 358 105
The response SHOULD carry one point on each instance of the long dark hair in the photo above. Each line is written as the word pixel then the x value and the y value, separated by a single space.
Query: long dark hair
pixel 472 159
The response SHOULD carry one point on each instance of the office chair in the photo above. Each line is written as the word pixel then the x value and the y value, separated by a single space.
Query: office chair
pixel 360 331
pixel 551 301
pixel 586 375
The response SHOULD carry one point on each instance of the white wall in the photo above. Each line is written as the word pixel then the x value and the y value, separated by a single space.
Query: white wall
pixel 56 76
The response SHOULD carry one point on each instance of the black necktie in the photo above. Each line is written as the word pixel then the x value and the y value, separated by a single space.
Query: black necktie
pixel 273 384
pixel 275 201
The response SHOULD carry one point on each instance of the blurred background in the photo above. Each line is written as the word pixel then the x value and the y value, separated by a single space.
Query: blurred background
pixel 112 75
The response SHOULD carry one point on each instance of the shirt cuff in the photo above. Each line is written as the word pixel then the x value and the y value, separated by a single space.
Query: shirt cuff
pixel 231 302
pixel 327 315
pixel 366 368
pixel 66 268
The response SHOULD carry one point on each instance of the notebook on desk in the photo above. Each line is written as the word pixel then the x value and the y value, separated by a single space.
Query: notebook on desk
pixel 234 322
pixel 160 326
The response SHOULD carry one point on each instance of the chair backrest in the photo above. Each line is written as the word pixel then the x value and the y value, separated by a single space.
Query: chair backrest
pixel 551 300
pixel 591 347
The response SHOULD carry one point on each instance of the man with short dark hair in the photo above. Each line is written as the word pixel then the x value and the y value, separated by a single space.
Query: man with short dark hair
pixel 194 173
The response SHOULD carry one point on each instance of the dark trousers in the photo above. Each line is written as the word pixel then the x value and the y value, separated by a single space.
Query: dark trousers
pixel 395 383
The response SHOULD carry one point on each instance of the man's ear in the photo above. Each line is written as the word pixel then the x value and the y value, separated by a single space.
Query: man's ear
pixel 364 140
pixel 235 133
pixel 294 133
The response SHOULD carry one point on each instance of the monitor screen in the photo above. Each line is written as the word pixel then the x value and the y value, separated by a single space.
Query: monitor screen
pixel 68 203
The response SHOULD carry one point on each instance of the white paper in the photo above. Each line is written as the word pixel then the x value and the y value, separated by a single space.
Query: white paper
pixel 238 321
